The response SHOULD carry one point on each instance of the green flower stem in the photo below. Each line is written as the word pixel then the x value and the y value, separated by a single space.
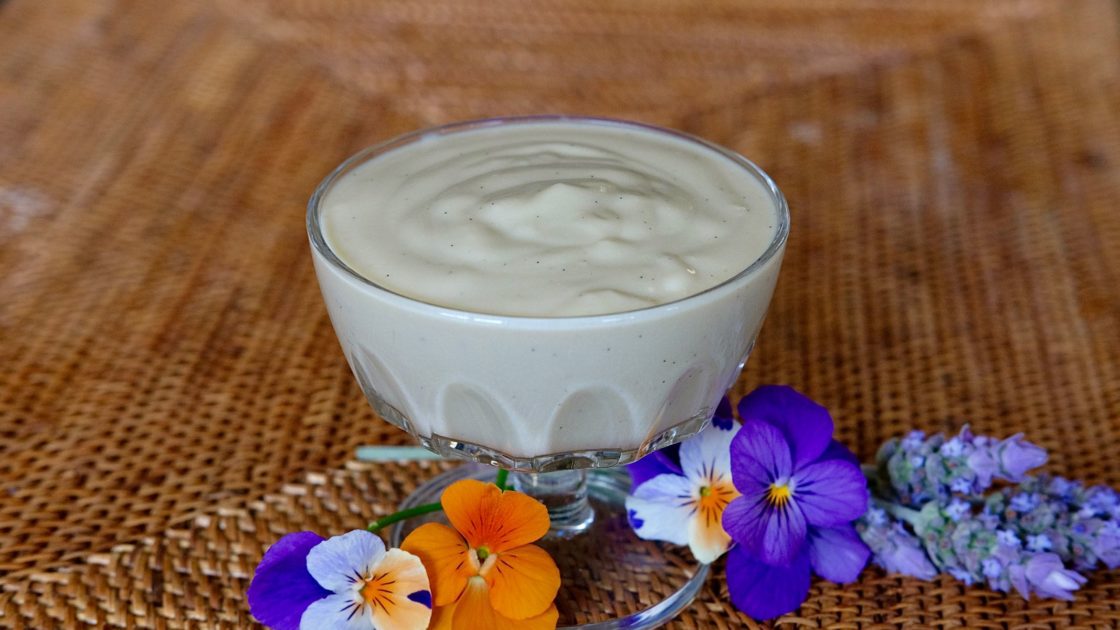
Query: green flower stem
pixel 427 508
pixel 397 517
pixel 901 513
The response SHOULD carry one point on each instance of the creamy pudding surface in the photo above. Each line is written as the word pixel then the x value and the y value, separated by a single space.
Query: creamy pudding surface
pixel 549 219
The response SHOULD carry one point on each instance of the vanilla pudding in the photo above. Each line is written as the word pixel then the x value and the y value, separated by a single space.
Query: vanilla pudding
pixel 538 288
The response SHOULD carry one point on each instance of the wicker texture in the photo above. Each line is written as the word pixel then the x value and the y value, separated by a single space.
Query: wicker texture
pixel 172 398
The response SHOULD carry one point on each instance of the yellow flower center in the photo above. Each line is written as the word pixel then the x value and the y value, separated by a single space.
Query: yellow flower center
pixel 482 553
pixel 779 494
pixel 713 498
pixel 376 591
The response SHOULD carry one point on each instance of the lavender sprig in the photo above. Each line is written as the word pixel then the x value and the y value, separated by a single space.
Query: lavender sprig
pixel 953 538
pixel 934 509
pixel 1045 513
pixel 978 550
pixel 921 469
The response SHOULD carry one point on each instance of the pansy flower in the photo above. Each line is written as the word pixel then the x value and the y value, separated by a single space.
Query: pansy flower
pixel 349 582
pixel 484 570
pixel 682 502
pixel 800 490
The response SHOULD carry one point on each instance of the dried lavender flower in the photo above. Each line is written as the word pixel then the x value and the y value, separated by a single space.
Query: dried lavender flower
pixel 934 509
pixel 1046 513
pixel 922 469
pixel 893 547
pixel 972 551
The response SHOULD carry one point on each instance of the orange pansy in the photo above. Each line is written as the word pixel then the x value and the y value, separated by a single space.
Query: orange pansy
pixel 475 611
pixel 484 571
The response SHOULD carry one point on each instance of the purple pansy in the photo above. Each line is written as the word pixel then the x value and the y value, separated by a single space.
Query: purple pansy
pixel 791 475
pixel 349 581
pixel 765 591
pixel 800 492
pixel 282 588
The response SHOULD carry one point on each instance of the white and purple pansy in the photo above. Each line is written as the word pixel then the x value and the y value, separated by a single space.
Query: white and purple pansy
pixel 679 494
pixel 347 582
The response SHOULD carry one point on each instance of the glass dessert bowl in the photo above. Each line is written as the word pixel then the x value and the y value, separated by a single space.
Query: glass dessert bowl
pixel 548 396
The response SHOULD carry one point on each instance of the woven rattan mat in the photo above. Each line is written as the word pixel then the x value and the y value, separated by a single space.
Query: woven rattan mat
pixel 172 398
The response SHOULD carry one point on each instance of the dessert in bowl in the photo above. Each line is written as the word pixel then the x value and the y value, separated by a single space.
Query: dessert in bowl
pixel 554 296
pixel 547 293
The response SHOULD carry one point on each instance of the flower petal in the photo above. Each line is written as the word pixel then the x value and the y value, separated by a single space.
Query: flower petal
pixel 403 599
pixel 1017 574
pixel 773 535
pixel 1049 577
pixel 901 552
pixel 707 538
pixel 445 556
pixel 656 463
pixel 723 408
pixel 837 553
pixel 759 457
pixel 488 517
pixel 523 582
pixel 837 450
pixel 340 611
pixel 708 454
pixel 1017 457
pixel 723 418
pixel 661 508
pixel 442 616
pixel 806 425
pixel 340 561
pixel 544 621
pixel 474 612
pixel 831 492
pixel 282 588
pixel 764 591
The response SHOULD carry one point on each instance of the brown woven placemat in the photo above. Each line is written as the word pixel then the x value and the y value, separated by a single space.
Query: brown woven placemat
pixel 172 398
pixel 196 576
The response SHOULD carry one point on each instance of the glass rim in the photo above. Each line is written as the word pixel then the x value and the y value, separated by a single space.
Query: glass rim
pixel 320 245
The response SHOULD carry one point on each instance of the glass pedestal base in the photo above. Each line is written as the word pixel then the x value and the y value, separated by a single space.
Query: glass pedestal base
pixel 610 578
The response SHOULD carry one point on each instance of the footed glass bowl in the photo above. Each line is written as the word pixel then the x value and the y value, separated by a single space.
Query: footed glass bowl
pixel 551 397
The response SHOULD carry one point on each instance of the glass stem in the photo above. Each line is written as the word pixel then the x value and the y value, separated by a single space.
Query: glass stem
pixel 564 493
